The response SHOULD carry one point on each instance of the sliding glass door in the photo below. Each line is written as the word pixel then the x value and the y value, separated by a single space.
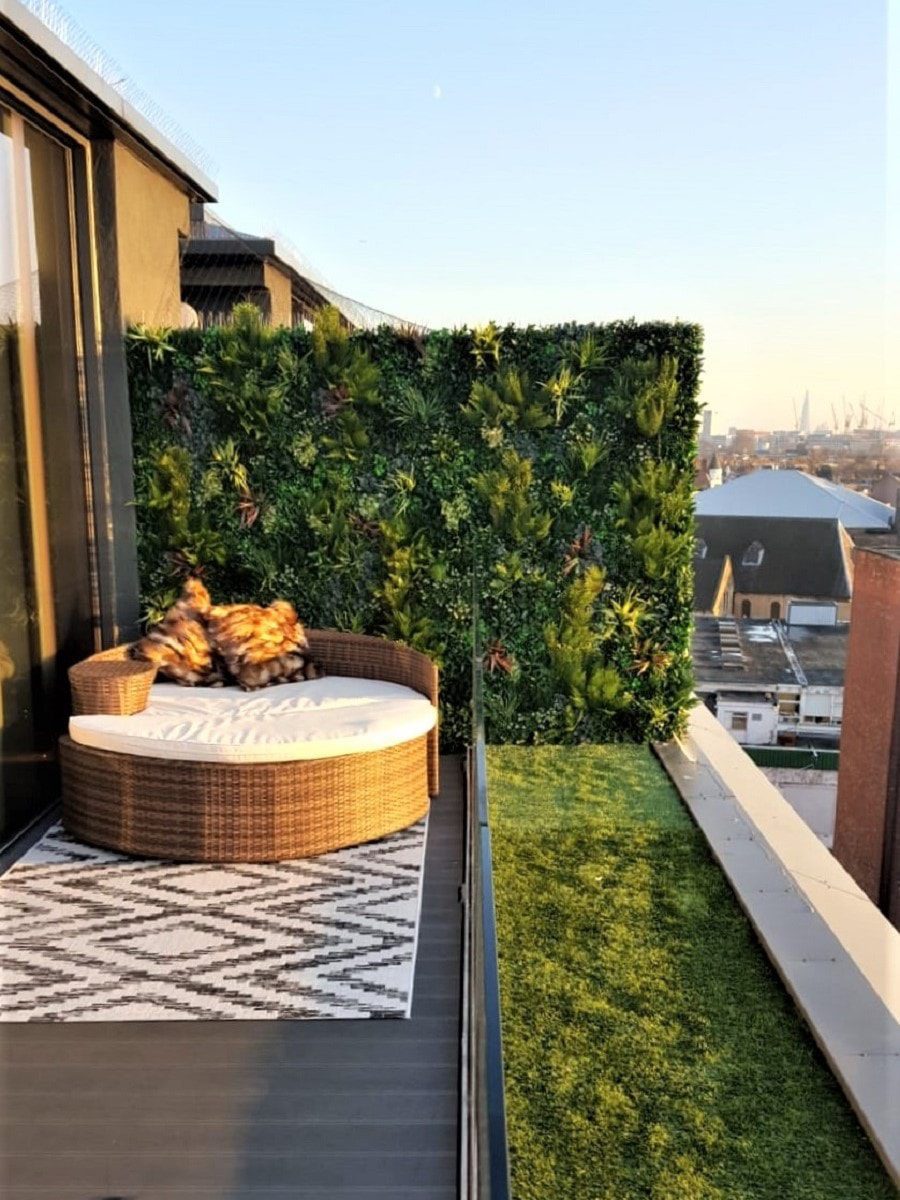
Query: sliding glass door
pixel 46 601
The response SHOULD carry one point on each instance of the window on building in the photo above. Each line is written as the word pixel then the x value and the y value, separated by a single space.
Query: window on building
pixel 739 722
pixel 699 548
pixel 745 608
pixel 775 610
pixel 757 716
pixel 753 555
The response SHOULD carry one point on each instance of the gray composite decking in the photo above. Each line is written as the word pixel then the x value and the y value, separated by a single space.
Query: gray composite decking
pixel 317 1110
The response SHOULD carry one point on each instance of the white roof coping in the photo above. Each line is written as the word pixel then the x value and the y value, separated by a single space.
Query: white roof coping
pixel 106 95
pixel 865 932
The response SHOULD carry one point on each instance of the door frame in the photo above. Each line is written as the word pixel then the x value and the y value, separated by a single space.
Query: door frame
pixel 105 457
pixel 106 412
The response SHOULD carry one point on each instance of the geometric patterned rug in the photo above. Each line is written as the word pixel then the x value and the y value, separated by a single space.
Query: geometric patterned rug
pixel 89 935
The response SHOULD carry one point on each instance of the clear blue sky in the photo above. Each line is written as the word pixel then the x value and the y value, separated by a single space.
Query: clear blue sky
pixel 535 161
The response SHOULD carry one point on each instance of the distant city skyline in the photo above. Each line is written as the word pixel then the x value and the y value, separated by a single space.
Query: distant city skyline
pixel 846 414
pixel 451 164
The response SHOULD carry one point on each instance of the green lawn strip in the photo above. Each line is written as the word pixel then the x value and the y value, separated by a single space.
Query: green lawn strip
pixel 650 1049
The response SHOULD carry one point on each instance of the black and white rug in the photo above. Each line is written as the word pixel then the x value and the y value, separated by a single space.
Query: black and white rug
pixel 88 935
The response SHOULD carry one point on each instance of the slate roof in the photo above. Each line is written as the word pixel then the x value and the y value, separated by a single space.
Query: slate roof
pixel 802 556
pixel 793 494
pixel 763 662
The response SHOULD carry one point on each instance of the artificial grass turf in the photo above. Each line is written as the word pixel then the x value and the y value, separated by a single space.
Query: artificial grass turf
pixel 650 1049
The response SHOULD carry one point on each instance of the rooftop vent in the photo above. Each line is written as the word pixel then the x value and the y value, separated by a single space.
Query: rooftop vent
pixel 730 649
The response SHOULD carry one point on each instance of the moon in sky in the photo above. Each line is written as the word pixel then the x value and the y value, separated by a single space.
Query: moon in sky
pixel 437 91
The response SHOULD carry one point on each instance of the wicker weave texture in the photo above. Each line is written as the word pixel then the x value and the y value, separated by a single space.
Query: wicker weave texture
pixel 364 657
pixel 257 812
pixel 111 683
pixel 254 812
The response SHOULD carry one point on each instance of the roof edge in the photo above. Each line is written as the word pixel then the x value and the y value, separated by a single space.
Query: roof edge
pixel 105 96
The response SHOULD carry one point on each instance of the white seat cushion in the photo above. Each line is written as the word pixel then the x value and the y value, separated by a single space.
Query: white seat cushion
pixel 320 718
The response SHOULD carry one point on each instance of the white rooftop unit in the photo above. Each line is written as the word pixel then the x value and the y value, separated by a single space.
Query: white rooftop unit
pixel 804 612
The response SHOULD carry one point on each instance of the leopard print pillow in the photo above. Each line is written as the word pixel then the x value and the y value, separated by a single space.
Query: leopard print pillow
pixel 180 646
pixel 261 646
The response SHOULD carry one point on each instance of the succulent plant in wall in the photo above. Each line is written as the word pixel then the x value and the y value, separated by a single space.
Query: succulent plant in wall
pixel 657 491
pixel 589 683
pixel 348 439
pixel 511 400
pixel 405 558
pixel 177 531
pixel 507 489
pixel 525 403
pixel 414 411
pixel 486 344
pixel 169 490
pixel 456 510
pixel 303 449
pixel 659 551
pixel 624 617
pixel 589 354
pixel 154 342
pixel 562 388
pixel 585 446
pixel 484 406
pixel 655 400
pixel 247 372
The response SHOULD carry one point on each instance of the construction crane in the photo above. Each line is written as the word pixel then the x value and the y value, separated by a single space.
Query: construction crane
pixel 834 419
pixel 877 416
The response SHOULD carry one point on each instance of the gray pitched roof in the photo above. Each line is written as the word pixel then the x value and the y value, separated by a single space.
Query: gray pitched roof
pixel 801 556
pixel 794 494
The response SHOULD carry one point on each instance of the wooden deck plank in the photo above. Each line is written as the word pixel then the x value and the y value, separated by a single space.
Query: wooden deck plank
pixel 348 1110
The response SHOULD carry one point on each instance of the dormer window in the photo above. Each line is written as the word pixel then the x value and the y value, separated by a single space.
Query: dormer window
pixel 699 548
pixel 753 555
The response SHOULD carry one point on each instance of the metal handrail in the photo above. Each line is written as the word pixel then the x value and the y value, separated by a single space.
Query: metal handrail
pixel 486 1157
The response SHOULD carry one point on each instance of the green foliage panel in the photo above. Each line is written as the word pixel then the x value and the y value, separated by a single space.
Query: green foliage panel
pixel 363 475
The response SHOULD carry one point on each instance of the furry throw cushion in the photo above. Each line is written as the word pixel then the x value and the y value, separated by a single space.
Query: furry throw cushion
pixel 180 645
pixel 198 643
pixel 261 646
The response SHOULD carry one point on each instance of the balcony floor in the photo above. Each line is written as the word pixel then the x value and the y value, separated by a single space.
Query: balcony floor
pixel 247 1110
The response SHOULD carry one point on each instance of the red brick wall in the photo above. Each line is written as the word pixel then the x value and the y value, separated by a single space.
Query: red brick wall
pixel 867 780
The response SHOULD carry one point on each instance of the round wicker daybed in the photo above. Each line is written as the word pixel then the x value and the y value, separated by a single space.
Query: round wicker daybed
pixel 241 797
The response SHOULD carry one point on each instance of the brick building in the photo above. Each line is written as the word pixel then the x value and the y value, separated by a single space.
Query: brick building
pixel 867 829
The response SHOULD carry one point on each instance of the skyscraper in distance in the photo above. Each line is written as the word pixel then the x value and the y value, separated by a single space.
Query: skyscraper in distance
pixel 804 415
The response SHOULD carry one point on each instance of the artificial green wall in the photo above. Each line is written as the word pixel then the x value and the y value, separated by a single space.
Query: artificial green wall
pixel 361 476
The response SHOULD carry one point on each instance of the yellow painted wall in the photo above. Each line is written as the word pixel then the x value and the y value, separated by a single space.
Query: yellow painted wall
pixel 724 598
pixel 760 605
pixel 279 286
pixel 150 213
